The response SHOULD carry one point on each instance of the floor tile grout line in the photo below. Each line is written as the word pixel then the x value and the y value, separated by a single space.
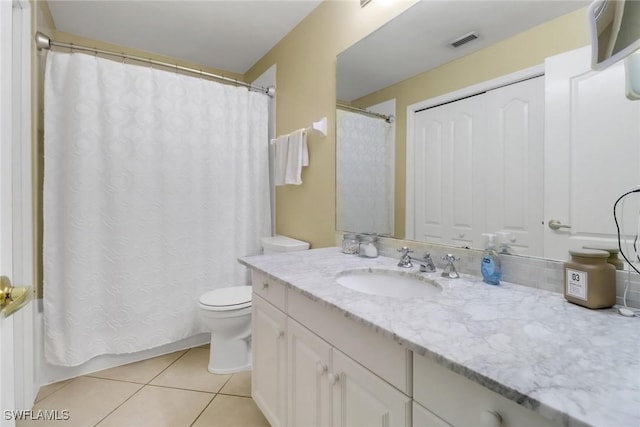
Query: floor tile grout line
pixel 182 388
pixel 203 409
pixel 235 395
pixel 122 403
pixel 169 365
pixel 226 382
pixel 113 379
pixel 53 392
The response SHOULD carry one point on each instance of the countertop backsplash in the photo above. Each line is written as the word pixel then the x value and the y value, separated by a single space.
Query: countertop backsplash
pixel 527 271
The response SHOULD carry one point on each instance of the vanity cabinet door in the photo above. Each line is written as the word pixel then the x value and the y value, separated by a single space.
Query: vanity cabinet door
pixel 269 352
pixel 309 362
pixel 361 398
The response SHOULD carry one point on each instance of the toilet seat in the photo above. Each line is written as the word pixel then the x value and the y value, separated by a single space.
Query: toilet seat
pixel 226 299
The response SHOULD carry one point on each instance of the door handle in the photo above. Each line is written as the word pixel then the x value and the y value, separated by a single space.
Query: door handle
pixel 554 224
pixel 11 298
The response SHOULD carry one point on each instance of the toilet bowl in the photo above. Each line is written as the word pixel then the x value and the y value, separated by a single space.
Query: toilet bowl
pixel 226 313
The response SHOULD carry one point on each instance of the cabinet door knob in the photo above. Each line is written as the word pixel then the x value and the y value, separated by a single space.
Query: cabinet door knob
pixel 265 286
pixel 321 368
pixel 490 419
pixel 333 378
pixel 280 333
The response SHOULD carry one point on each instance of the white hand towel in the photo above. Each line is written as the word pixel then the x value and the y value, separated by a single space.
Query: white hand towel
pixel 281 145
pixel 298 157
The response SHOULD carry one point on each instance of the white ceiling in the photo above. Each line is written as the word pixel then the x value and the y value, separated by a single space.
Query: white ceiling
pixel 232 35
pixel 418 39
pixel 229 35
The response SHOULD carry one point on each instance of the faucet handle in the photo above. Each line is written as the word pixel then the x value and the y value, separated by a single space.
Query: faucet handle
pixel 449 258
pixel 405 259
pixel 450 269
pixel 405 250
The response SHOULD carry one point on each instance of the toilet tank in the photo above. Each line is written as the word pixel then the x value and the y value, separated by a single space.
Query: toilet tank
pixel 282 244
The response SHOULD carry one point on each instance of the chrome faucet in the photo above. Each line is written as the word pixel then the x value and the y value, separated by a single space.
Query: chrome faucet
pixel 450 268
pixel 405 259
pixel 426 263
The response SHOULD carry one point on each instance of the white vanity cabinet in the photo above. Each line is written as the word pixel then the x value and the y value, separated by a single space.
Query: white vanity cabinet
pixel 312 366
pixel 323 386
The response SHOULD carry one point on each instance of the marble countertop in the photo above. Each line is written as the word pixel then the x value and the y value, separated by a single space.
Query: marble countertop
pixel 571 364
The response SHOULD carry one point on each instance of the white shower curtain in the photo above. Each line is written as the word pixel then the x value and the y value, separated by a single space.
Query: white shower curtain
pixel 154 184
pixel 364 173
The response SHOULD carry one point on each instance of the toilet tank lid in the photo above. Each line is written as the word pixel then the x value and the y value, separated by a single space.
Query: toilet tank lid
pixel 283 244
pixel 231 297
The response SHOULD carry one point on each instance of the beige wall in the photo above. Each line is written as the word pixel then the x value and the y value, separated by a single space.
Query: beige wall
pixel 306 91
pixel 521 51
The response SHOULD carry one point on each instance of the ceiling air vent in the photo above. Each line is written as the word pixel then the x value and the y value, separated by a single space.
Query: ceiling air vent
pixel 464 39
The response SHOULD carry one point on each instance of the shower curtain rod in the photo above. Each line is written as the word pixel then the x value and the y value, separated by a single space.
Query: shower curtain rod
pixel 44 42
pixel 388 119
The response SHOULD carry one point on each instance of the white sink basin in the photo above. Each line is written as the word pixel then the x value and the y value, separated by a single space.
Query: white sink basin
pixel 388 283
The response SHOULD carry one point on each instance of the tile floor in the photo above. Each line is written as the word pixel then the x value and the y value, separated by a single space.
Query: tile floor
pixel 171 390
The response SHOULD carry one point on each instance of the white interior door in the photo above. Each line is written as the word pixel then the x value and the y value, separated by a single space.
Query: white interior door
pixel 592 152
pixel 17 388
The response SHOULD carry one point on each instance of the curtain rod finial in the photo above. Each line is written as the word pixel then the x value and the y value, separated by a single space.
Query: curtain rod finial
pixel 42 41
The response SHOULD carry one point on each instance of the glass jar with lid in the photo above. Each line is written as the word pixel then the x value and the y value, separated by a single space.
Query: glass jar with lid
pixel 368 246
pixel 350 243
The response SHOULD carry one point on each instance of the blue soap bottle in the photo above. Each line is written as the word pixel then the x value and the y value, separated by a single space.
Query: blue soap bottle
pixel 490 265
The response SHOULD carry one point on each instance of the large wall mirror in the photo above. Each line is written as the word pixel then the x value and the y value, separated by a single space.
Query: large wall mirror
pixel 587 152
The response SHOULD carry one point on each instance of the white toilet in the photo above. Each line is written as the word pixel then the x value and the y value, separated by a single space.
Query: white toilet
pixel 226 312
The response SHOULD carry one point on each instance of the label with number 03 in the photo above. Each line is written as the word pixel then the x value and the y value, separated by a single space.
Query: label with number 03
pixel 577 283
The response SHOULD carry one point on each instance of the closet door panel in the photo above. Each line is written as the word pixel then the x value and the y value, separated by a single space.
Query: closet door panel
pixel 431 139
pixel 514 178
pixel 465 211
pixel 449 204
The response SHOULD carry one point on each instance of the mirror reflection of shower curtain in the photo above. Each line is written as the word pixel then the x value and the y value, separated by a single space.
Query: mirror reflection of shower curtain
pixel 364 174
pixel 155 183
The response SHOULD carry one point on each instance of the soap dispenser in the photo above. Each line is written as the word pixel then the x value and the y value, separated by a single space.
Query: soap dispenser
pixel 490 265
